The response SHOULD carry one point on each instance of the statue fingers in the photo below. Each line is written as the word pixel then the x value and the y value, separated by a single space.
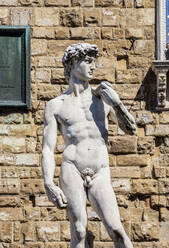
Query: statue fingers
pixel 60 202
pixel 63 198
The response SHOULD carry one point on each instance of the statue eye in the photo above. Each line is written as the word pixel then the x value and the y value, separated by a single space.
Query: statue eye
pixel 88 60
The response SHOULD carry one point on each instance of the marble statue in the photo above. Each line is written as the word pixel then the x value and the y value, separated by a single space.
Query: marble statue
pixel 81 115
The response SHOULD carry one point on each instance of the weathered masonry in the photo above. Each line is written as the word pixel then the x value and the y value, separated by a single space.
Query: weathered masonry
pixel 125 34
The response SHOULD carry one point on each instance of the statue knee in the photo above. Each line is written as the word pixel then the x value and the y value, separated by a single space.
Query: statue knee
pixel 80 230
pixel 116 233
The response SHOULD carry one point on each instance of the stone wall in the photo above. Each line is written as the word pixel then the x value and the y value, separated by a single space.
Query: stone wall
pixel 125 34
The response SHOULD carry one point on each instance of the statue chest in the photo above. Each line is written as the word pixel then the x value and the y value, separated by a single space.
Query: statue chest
pixel 76 110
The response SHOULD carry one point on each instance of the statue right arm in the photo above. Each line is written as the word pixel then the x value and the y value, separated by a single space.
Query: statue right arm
pixel 54 193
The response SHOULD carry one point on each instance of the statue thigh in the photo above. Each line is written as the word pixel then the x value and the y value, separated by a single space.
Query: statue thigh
pixel 103 200
pixel 73 188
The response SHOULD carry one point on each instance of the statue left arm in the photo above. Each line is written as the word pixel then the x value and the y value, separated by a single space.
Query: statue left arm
pixel 111 97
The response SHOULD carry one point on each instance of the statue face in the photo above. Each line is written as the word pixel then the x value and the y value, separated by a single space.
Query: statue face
pixel 83 69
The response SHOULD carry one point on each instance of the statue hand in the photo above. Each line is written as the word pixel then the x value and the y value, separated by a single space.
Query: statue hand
pixel 56 195
pixel 109 95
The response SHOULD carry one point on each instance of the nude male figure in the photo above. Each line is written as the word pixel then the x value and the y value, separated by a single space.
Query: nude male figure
pixel 81 114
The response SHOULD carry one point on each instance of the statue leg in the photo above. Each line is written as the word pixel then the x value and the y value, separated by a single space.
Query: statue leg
pixel 72 186
pixel 103 200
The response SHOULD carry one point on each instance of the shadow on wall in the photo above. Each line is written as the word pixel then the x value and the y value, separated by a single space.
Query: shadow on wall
pixel 90 239
pixel 148 91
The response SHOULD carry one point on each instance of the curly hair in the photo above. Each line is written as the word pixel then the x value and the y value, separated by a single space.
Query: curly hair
pixel 77 52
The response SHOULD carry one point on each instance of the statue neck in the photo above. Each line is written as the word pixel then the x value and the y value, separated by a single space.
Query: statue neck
pixel 77 86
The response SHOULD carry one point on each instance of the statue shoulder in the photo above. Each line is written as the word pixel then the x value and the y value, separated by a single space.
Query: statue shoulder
pixel 53 106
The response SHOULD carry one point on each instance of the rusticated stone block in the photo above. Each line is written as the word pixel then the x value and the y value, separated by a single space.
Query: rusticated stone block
pixel 139 3
pixel 122 201
pixel 145 231
pixel 17 231
pixel 56 245
pixel 103 233
pixel 58 76
pixel 65 231
pixel 106 33
pixel 160 172
pixel 162 160
pixel 7 159
pixel 161 130
pixel 158 201
pixel 46 61
pixel 6 232
pixel 105 70
pixel 106 3
pixel 117 33
pixel 133 160
pixel 163 186
pixel 21 16
pixel 31 2
pixel 164 233
pixel 11 214
pixel 71 17
pixel 138 62
pixel 32 186
pixel 13 144
pixel 143 118
pixel 4 13
pixel 47 92
pixel 8 2
pixel 38 47
pixel 31 213
pixel 146 145
pixel 84 3
pixel 110 17
pixel 62 33
pixel 121 185
pixel 9 201
pixel 92 17
pixel 124 214
pixel 143 186
pixel 134 33
pixel 28 229
pixel 43 75
pixel 26 159
pixel 35 245
pixel 22 130
pixel 9 186
pixel 129 76
pixel 164 118
pixel 43 32
pixel 150 215
pixel 42 201
pixel 126 91
pixel 92 214
pixel 54 214
pixel 3 130
pixel 7 172
pixel 11 119
pixel 136 214
pixel 121 64
pixel 125 172
pixel 164 214
pixel 126 144
pixel 94 228
pixel 47 231
pixel 46 16
pixel 85 33
pixel 65 3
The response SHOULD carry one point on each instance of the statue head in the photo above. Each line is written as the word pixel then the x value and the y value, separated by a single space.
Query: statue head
pixel 77 53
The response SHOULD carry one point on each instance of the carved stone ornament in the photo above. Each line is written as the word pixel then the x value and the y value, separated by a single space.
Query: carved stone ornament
pixel 161 65
pixel 161 68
